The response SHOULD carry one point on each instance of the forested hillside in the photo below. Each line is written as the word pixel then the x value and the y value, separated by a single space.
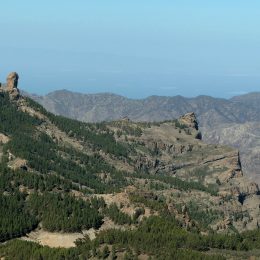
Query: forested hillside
pixel 233 122
pixel 144 190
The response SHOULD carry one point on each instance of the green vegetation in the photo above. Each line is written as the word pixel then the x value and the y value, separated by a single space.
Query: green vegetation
pixel 10 180
pixel 163 237
pixel 204 216
pixel 180 125
pixel 178 183
pixel 154 203
pixel 43 154
pixel 70 215
pixel 201 173
pixel 160 237
pixel 98 135
pixel 14 122
pixel 22 250
pixel 15 218
pixel 56 171
pixel 99 140
pixel 117 215
pixel 126 129
pixel 42 193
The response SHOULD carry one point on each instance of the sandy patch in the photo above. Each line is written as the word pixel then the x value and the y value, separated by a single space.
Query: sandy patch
pixel 45 238
pixel 67 240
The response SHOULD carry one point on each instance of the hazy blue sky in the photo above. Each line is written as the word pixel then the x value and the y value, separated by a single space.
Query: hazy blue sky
pixel 132 47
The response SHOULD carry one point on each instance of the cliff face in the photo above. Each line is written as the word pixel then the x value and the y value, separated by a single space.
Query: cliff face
pixel 244 137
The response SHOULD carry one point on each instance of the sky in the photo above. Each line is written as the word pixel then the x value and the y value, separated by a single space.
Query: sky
pixel 134 48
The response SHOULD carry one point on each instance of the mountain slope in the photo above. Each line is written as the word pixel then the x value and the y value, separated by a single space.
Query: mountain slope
pixel 213 114
pixel 152 182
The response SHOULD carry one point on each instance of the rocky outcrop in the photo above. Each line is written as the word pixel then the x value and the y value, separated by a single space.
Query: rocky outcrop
pixel 245 188
pixel 12 81
pixel 12 85
pixel 144 163
pixel 224 224
pixel 246 137
pixel 230 161
pixel 170 148
pixel 4 139
pixel 190 120
pixel 18 164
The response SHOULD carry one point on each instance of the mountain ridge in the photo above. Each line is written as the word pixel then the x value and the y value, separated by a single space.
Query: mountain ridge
pixel 213 114
pixel 194 103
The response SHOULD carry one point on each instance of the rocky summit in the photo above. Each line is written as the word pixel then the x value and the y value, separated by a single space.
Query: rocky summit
pixel 11 85
pixel 119 188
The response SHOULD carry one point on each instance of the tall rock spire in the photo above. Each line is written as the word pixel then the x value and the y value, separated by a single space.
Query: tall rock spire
pixel 12 81
pixel 12 84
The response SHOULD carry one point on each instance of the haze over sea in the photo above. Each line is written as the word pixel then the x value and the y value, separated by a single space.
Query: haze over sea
pixel 134 48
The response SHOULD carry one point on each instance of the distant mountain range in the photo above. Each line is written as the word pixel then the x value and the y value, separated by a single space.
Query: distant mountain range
pixel 106 106
pixel 234 121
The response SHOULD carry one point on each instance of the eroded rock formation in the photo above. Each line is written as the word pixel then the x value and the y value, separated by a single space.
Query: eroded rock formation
pixel 12 85
pixel 12 81
pixel 190 120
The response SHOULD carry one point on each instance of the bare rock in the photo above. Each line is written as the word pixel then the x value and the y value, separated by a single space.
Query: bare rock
pixel 224 224
pixel 12 81
pixel 253 188
pixel 12 84
pixel 10 156
pixel 190 120
pixel 4 139
pixel 184 209
pixel 18 164
pixel 249 188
